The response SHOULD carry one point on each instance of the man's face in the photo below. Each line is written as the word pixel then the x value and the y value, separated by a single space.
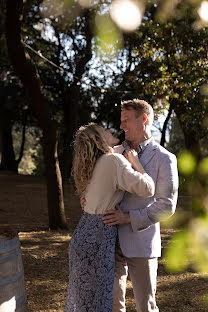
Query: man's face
pixel 131 125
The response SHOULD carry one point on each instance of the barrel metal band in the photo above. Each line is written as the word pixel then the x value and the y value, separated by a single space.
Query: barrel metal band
pixel 9 245
pixel 10 257
pixel 11 279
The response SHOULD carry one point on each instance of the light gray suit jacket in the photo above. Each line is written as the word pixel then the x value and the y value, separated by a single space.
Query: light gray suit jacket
pixel 141 238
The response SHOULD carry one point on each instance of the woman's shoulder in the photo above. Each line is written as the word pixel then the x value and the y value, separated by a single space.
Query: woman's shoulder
pixel 115 158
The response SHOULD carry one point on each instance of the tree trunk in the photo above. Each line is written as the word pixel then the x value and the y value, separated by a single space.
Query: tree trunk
pixel 24 123
pixel 8 161
pixel 71 125
pixel 191 141
pixel 163 140
pixel 71 105
pixel 26 70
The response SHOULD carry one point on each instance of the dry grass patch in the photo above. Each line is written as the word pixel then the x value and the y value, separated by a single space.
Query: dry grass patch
pixel 45 258
pixel 23 207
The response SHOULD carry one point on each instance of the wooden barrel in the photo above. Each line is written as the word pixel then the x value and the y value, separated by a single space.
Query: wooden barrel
pixel 12 285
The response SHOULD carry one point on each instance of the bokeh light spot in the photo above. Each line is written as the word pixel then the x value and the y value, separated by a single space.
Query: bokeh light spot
pixel 199 228
pixel 203 11
pixel 51 8
pixel 127 14
pixel 88 3
pixel 203 166
pixel 204 89
pixel 108 36
pixel 176 254
pixel 186 162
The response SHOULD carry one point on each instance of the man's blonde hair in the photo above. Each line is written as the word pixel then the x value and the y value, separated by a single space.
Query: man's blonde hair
pixel 140 107
pixel 89 145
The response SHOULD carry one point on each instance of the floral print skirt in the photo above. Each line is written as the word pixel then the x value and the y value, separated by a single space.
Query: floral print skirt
pixel 91 266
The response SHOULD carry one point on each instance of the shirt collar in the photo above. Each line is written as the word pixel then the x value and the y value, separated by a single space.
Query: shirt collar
pixel 144 144
pixel 140 147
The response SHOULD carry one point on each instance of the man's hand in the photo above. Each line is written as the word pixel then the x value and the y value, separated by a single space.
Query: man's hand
pixel 132 157
pixel 82 201
pixel 117 216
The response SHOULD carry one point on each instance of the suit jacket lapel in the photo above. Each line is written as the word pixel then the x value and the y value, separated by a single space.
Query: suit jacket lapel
pixel 148 153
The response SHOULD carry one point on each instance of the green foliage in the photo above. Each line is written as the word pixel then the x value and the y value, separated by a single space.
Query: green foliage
pixel 199 229
pixel 38 163
pixel 186 162
pixel 203 167
pixel 165 63
pixel 58 85
pixel 177 252
pixel 32 161
pixel 161 62
pixel 170 67
pixel 108 37
pixel 176 137
pixel 189 246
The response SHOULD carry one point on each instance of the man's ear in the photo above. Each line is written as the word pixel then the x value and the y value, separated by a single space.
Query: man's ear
pixel 145 119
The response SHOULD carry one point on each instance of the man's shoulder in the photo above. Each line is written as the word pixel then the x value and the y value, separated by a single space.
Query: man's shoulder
pixel 163 152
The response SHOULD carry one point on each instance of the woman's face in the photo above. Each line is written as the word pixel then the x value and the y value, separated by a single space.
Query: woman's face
pixel 111 140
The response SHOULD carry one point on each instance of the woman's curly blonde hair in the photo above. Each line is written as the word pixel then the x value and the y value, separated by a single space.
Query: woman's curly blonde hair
pixel 89 145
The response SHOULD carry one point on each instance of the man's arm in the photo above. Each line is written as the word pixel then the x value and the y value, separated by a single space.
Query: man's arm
pixel 113 217
pixel 166 194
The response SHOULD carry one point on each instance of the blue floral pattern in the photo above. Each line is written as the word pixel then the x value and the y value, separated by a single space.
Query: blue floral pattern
pixel 91 266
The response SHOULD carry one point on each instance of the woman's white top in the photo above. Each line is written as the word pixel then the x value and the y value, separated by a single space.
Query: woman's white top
pixel 112 176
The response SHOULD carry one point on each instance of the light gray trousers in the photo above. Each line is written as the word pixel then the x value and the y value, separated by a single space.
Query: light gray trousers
pixel 143 274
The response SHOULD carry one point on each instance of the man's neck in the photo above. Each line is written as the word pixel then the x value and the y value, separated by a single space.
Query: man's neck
pixel 134 145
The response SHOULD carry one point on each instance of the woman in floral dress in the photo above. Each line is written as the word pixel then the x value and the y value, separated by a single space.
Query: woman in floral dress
pixel 103 177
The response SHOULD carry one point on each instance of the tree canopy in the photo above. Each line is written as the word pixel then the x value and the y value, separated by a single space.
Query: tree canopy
pixel 83 63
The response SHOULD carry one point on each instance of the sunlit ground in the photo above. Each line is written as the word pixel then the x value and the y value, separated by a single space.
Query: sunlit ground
pixel 45 253
pixel 45 257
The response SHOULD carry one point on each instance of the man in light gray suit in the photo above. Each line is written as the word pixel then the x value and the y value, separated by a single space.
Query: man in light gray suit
pixel 138 217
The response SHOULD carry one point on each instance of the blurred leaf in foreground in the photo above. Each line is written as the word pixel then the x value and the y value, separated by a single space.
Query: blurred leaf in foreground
pixel 176 253
pixel 199 243
pixel 203 167
pixel 186 163
pixel 108 36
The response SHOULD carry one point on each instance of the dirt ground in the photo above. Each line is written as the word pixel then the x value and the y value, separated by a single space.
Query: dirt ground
pixel 23 203
pixel 23 207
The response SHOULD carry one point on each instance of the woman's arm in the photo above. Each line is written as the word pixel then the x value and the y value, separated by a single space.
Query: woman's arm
pixel 128 179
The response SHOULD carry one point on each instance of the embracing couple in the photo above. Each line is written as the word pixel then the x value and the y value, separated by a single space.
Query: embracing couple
pixel 127 190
